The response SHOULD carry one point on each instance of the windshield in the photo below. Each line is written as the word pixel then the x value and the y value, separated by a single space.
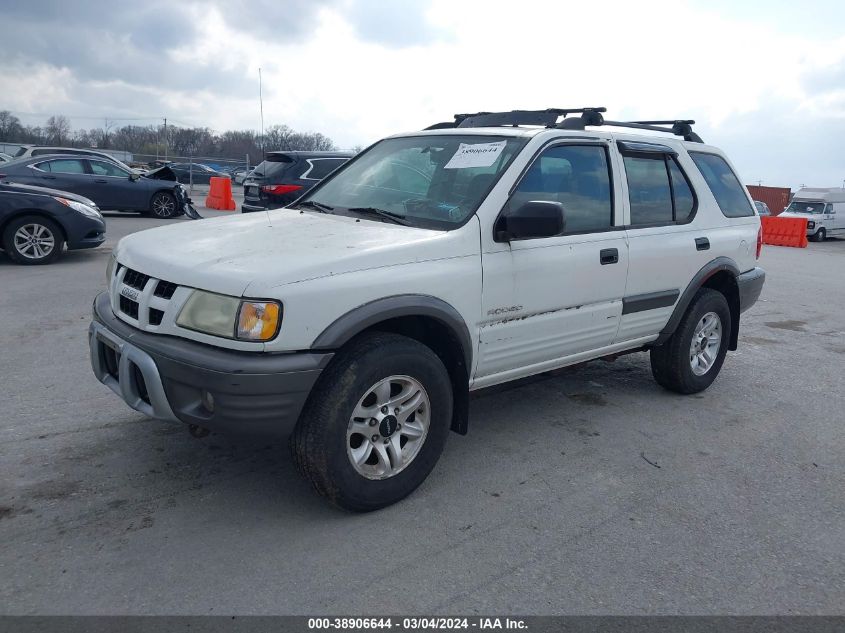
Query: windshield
pixel 427 181
pixel 805 207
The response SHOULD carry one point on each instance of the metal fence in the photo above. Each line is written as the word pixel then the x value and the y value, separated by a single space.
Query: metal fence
pixel 192 170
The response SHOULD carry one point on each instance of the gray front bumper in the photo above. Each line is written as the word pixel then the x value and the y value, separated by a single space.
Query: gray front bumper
pixel 166 377
pixel 147 397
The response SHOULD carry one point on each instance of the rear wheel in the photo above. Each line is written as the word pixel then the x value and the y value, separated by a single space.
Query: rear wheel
pixel 375 423
pixel 33 240
pixel 692 357
pixel 163 205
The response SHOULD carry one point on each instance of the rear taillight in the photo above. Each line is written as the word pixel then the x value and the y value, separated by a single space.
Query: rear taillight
pixel 759 241
pixel 280 189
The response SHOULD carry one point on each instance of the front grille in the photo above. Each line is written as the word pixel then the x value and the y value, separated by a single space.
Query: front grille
pixel 148 302
pixel 129 307
pixel 156 316
pixel 134 279
pixel 165 289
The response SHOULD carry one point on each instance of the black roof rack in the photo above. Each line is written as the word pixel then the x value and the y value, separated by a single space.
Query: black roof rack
pixel 679 127
pixel 549 118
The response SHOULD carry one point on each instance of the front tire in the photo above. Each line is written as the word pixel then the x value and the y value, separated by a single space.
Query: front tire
pixel 820 236
pixel 32 240
pixel 376 422
pixel 163 205
pixel 692 357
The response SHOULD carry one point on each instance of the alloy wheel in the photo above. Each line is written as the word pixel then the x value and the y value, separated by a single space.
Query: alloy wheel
pixel 164 206
pixel 388 427
pixel 706 341
pixel 34 241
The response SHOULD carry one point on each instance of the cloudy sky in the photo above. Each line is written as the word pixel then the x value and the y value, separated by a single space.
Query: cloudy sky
pixel 764 79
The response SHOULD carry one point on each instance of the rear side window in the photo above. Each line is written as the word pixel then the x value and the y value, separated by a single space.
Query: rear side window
pixel 648 189
pixel 658 189
pixel 319 168
pixel 62 166
pixel 725 186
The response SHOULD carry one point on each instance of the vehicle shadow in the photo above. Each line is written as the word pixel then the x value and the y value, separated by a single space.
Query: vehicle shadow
pixel 258 476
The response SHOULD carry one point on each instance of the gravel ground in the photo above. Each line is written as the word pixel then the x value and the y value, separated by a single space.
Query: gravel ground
pixel 593 491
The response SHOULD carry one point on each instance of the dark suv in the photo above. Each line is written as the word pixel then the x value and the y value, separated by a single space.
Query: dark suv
pixel 284 176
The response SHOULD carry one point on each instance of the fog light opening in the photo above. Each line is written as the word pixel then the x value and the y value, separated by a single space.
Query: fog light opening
pixel 207 401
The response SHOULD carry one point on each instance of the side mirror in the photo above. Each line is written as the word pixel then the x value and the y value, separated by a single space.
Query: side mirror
pixel 133 177
pixel 535 219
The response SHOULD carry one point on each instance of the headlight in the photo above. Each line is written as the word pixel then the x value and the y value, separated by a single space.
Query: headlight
pixel 230 317
pixel 78 206
pixel 811 224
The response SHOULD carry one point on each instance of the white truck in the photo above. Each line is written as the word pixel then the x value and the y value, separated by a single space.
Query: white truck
pixel 434 263
pixel 824 209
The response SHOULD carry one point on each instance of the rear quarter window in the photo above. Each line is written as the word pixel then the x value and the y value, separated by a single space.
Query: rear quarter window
pixel 319 168
pixel 724 185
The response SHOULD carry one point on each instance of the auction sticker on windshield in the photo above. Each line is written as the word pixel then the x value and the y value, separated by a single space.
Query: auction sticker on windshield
pixel 475 155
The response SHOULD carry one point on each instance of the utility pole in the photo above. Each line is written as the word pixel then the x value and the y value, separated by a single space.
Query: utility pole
pixel 165 138
pixel 261 105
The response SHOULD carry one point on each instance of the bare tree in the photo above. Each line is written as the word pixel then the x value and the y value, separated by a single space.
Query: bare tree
pixel 57 129
pixel 197 141
pixel 10 126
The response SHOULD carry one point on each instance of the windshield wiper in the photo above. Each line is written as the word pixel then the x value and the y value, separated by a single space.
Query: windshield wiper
pixel 388 215
pixel 319 206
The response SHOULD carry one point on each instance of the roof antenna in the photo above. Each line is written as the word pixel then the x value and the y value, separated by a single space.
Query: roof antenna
pixel 263 140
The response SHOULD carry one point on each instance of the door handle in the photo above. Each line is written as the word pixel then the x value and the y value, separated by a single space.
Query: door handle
pixel 102 180
pixel 702 244
pixel 608 256
pixel 48 177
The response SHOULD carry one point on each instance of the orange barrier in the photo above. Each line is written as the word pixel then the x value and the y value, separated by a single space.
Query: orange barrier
pixel 220 194
pixel 784 231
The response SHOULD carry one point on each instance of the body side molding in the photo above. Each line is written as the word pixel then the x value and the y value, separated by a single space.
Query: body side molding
pixel 649 301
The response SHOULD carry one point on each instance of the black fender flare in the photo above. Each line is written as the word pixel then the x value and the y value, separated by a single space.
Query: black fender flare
pixel 707 271
pixel 364 316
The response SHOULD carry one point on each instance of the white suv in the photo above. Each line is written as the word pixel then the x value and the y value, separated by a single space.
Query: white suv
pixel 433 264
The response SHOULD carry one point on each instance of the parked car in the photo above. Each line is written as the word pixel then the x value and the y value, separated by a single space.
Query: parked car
pixel 366 313
pixel 37 222
pixel 30 151
pixel 762 208
pixel 824 209
pixel 111 186
pixel 285 176
pixel 199 175
pixel 5 158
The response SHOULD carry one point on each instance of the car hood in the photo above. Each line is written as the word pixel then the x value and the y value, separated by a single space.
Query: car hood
pixel 251 254
pixel 162 173
pixel 793 214
pixel 5 185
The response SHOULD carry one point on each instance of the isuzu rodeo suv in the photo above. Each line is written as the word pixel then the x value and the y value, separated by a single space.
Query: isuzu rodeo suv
pixel 434 263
